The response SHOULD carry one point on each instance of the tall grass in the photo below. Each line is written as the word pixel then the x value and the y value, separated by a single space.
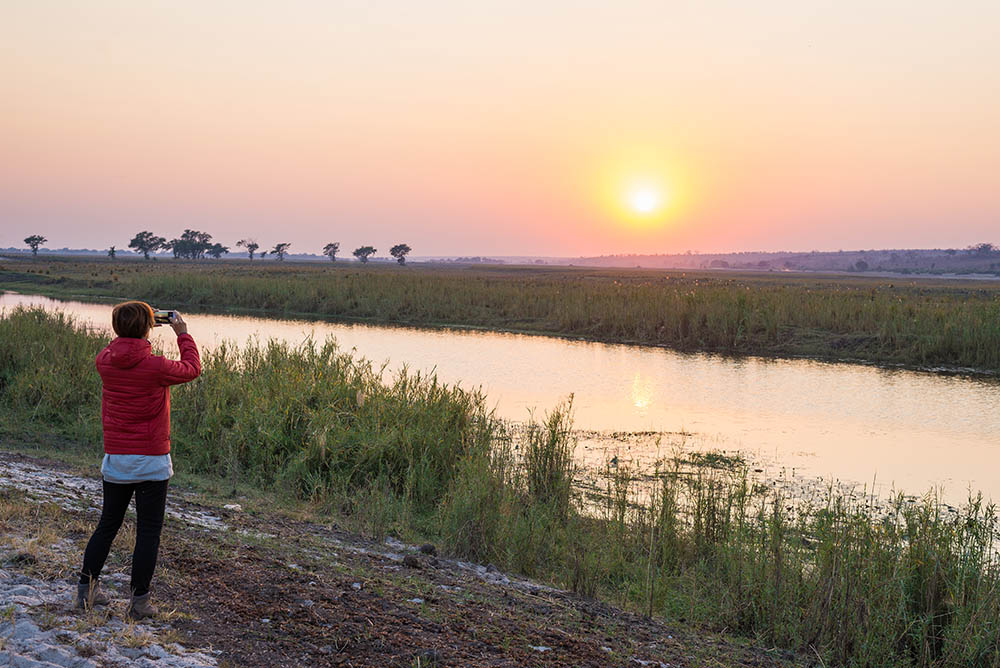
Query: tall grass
pixel 854 581
pixel 47 374
pixel 879 320
pixel 309 418
pixel 313 417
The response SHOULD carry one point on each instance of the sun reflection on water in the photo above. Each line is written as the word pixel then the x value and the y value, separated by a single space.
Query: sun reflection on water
pixel 642 393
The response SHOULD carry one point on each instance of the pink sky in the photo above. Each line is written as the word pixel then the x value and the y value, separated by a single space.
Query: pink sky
pixel 502 128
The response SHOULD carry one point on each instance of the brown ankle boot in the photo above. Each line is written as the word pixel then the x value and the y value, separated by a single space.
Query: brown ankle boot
pixel 140 608
pixel 89 595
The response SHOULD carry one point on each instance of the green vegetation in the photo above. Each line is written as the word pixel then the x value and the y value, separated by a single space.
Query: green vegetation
pixel 363 252
pixel 146 242
pixel 308 419
pixel 280 250
pixel 926 323
pixel 33 242
pixel 400 251
pixel 853 582
pixel 251 245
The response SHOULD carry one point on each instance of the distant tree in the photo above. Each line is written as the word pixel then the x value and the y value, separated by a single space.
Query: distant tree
pixel 363 253
pixel 861 265
pixel 399 252
pixel 979 250
pixel 34 241
pixel 331 249
pixel 251 245
pixel 146 243
pixel 263 254
pixel 217 250
pixel 112 252
pixel 950 251
pixel 192 244
pixel 201 242
pixel 279 250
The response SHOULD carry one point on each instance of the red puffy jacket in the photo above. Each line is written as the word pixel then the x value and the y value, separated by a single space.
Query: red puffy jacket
pixel 135 408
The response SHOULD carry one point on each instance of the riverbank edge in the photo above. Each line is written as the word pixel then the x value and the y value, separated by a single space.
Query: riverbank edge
pixel 417 608
pixel 71 293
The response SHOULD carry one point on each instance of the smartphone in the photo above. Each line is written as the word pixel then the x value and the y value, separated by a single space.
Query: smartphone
pixel 163 317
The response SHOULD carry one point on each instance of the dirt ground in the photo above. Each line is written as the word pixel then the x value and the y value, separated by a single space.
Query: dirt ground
pixel 262 589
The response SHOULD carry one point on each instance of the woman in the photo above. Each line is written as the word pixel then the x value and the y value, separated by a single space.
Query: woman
pixel 135 413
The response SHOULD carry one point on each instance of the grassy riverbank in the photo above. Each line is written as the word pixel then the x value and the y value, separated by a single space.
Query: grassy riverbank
pixel 887 321
pixel 274 587
pixel 852 581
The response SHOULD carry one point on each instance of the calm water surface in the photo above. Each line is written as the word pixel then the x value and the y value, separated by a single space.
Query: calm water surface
pixel 907 429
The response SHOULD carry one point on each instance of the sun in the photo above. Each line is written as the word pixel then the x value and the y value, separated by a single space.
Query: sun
pixel 641 189
pixel 645 200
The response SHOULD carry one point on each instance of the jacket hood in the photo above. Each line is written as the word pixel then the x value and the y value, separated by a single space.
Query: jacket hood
pixel 125 353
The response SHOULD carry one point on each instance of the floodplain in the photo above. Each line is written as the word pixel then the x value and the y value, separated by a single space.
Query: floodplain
pixel 916 322
pixel 851 579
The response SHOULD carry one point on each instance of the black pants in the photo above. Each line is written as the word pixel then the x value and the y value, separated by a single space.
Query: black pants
pixel 150 503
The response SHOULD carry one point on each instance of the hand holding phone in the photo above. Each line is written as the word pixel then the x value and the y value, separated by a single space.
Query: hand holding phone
pixel 177 322
pixel 172 318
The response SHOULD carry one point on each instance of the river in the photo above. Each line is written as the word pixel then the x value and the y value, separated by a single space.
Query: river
pixel 907 430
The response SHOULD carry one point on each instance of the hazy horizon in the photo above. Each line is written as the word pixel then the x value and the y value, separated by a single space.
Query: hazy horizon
pixel 557 129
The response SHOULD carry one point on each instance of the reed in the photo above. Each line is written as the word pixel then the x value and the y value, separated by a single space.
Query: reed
pixel 852 580
pixel 310 418
pixel 916 323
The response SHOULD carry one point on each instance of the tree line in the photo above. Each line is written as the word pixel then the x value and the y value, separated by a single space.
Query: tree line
pixel 195 245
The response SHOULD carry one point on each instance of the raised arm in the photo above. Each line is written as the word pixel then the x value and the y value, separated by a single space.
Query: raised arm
pixel 189 366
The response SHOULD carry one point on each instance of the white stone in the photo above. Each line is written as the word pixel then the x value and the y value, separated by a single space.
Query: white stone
pixel 55 655
pixel 24 628
pixel 26 601
pixel 157 652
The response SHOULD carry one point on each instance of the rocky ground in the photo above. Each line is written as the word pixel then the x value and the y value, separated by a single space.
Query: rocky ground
pixel 245 585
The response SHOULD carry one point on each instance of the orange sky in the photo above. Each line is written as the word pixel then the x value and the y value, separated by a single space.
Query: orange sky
pixel 502 128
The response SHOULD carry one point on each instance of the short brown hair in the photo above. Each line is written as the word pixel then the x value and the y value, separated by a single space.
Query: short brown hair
pixel 132 319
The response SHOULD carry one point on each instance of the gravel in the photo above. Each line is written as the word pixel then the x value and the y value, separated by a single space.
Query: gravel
pixel 39 626
pixel 38 630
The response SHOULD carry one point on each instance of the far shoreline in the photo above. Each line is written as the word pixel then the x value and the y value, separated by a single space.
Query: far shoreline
pixel 59 295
